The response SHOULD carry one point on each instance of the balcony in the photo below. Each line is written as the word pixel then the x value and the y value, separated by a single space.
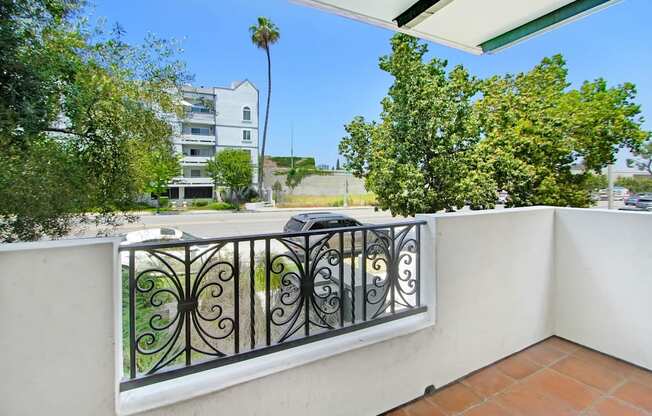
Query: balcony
pixel 195 139
pixel 200 117
pixel 555 298
pixel 194 160
pixel 182 180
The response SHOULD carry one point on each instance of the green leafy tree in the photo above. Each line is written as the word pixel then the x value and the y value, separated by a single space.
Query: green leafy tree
pixel 643 158
pixel 417 157
pixel 161 166
pixel 536 128
pixel 79 109
pixel 264 34
pixel 636 185
pixel 595 182
pixel 232 168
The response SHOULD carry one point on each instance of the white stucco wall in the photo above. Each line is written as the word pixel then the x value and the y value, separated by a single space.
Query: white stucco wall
pixel 480 286
pixel 232 136
pixel 229 104
pixel 604 281
pixel 503 280
pixel 57 329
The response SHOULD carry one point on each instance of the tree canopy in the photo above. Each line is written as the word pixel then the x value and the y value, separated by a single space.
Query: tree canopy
pixel 536 128
pixel 232 168
pixel 446 139
pixel 79 110
pixel 417 157
pixel 160 166
pixel 642 159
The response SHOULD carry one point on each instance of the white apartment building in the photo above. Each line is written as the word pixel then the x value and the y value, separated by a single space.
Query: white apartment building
pixel 216 118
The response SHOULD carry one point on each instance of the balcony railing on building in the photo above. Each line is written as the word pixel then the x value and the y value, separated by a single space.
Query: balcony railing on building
pixel 195 305
pixel 196 139
pixel 195 160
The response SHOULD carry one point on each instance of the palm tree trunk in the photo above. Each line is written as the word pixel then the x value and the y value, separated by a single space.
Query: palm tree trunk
pixel 261 162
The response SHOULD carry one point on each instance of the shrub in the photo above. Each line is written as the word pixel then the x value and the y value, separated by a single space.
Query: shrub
pixel 200 203
pixel 220 206
pixel 164 202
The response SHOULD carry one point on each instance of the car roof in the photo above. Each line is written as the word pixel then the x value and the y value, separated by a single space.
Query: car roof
pixel 307 216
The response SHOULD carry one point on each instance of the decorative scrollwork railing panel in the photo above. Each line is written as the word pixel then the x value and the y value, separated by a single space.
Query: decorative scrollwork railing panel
pixel 194 305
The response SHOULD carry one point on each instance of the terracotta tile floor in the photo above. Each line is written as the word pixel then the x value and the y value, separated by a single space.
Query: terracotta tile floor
pixel 554 377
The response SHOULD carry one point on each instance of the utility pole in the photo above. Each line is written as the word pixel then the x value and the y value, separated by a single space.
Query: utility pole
pixel 610 186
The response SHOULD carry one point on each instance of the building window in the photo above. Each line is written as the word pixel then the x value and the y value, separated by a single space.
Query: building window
pixel 246 114
pixel 195 173
pixel 200 131
pixel 246 135
pixel 203 104
pixel 194 152
pixel 200 109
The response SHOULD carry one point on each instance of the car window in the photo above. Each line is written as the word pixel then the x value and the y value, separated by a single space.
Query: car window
pixel 349 223
pixel 322 225
pixel 294 225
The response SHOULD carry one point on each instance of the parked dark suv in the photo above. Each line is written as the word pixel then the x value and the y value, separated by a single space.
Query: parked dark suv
pixel 315 221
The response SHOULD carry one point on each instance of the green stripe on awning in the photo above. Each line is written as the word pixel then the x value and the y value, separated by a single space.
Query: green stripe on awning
pixel 541 23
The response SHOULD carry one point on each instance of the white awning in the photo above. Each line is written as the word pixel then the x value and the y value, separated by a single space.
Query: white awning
pixel 476 26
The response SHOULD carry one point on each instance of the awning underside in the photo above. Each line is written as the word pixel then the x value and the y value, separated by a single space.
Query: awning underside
pixel 477 26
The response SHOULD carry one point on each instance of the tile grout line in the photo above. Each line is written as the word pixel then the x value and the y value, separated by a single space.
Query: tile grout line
pixel 626 377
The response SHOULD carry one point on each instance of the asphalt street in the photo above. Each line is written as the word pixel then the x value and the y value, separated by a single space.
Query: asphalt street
pixel 225 224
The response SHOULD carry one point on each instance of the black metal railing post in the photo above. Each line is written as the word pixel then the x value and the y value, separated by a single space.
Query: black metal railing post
pixel 187 298
pixel 306 285
pixel 341 275
pixel 132 314
pixel 268 308
pixel 393 270
pixel 252 293
pixel 363 260
pixel 236 295
pixel 352 277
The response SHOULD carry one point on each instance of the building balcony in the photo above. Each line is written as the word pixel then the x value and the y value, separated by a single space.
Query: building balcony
pixel 531 311
pixel 195 160
pixel 203 118
pixel 195 139
pixel 181 180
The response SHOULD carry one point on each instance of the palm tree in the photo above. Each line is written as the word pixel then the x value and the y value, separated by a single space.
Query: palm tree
pixel 263 35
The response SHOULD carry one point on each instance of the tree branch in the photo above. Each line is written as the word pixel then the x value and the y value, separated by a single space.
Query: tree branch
pixel 61 130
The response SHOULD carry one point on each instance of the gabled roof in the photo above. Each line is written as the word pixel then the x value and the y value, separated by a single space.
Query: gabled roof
pixel 237 84
pixel 476 26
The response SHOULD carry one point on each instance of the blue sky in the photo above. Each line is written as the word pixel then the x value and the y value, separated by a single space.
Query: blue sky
pixel 325 67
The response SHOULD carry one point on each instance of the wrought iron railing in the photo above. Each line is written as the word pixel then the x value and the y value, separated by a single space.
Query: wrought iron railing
pixel 194 305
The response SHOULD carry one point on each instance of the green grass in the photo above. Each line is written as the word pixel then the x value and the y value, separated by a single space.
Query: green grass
pixel 198 205
pixel 274 278
pixel 214 206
